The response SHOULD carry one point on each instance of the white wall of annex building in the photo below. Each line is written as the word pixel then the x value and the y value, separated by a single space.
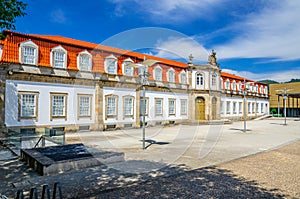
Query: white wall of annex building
pixel 44 90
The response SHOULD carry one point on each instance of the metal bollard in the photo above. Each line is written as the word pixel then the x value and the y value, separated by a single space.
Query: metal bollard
pixel 57 187
pixel 46 191
pixel 20 194
pixel 33 193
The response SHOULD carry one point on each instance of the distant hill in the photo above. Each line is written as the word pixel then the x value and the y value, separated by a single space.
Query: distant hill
pixel 268 81
pixel 293 80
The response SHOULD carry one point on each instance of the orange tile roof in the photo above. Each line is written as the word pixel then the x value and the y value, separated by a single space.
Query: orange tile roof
pixel 235 77
pixel 90 45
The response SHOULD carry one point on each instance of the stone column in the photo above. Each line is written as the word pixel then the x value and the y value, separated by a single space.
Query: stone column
pixel 99 124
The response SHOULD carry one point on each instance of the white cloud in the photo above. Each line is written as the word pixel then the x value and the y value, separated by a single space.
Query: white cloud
pixel 279 76
pixel 175 48
pixel 58 16
pixel 168 11
pixel 274 33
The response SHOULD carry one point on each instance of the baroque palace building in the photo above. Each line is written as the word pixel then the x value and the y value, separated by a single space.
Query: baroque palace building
pixel 58 82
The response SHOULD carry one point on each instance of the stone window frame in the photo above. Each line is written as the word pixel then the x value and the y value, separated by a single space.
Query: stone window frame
pixel 185 77
pixel 169 72
pixel 169 110
pixel 108 58
pixel 233 84
pixel 186 107
pixel 131 115
pixel 240 107
pixel 115 115
pixel 29 44
pixel 52 95
pixel 147 106
pixel 124 67
pixel 228 107
pixel 201 81
pixel 79 63
pixel 227 84
pixel 90 96
pixel 59 49
pixel 155 107
pixel 214 78
pixel 36 95
pixel 155 73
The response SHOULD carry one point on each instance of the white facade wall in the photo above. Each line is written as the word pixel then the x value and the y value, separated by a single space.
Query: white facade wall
pixel 120 92
pixel 151 95
pixel 44 90
pixel 254 107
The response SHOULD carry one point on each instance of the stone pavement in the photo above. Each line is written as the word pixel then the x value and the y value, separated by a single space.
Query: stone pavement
pixel 172 152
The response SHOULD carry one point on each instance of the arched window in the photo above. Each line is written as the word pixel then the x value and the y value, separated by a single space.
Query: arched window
pixel 28 52
pixel 234 86
pixel 199 81
pixel 182 77
pixel 110 64
pixel 158 73
pixel 227 84
pixel 127 69
pixel 58 57
pixel 171 75
pixel 84 61
pixel 214 80
pixel 240 86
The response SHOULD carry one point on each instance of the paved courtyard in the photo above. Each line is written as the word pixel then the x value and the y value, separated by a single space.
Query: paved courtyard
pixel 179 159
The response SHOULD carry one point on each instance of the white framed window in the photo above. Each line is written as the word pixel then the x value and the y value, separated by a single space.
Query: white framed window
pixel 253 107
pixel 158 106
pixel 240 107
pixel 84 61
pixel 182 77
pixel 249 107
pixel 127 69
pixel 84 105
pixel 183 107
pixel 228 108
pixel 172 106
pixel 214 80
pixel 58 57
pixel 158 73
pixel 240 86
pixel 234 107
pixel 171 75
pixel 58 107
pixel 221 83
pixel 28 52
pixel 234 86
pixel 111 106
pixel 227 84
pixel 28 105
pixel 199 81
pixel 144 106
pixel 128 104
pixel 111 64
pixel 221 107
pixel 257 107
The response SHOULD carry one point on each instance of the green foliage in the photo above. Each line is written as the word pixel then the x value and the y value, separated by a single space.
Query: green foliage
pixel 293 80
pixel 9 11
pixel 268 81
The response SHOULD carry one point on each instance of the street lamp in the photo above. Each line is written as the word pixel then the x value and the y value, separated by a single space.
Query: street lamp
pixel 143 74
pixel 285 95
pixel 244 99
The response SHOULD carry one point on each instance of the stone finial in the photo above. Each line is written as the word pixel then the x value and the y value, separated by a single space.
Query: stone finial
pixel 212 58
pixel 191 59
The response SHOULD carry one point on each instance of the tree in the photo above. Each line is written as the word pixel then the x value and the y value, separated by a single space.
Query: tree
pixel 9 11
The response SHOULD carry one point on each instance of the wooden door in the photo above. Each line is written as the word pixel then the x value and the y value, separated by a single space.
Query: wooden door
pixel 200 108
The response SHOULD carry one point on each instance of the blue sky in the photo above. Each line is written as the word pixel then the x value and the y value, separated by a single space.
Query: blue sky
pixel 258 39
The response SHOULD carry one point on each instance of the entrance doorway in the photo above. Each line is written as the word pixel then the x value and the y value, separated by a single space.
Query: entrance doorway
pixel 200 108
pixel 214 108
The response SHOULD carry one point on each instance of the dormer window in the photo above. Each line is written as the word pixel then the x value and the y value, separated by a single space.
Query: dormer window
pixel 182 77
pixel 234 86
pixel 171 75
pixel 111 63
pixel 59 57
pixel 158 73
pixel 28 53
pixel 127 69
pixel 84 61
pixel 227 84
